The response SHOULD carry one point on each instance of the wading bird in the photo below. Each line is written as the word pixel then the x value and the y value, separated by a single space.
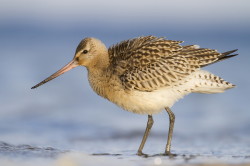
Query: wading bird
pixel 147 74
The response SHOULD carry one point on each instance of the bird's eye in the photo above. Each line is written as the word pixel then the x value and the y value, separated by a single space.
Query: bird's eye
pixel 85 51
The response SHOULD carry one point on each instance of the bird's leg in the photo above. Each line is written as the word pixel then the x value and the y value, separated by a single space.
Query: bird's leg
pixel 170 131
pixel 146 133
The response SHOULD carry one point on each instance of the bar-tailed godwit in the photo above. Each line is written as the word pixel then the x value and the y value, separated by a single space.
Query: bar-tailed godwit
pixel 147 74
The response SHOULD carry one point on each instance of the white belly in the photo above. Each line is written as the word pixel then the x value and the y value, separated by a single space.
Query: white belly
pixel 149 102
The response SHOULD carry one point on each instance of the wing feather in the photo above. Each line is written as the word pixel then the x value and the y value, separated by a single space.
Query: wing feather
pixel 149 63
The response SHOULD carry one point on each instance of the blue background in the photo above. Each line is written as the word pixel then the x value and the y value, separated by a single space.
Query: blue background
pixel 39 37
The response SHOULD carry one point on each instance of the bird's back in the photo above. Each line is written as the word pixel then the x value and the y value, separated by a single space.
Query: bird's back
pixel 150 63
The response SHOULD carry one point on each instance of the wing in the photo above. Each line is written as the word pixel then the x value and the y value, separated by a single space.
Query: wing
pixel 139 52
pixel 149 63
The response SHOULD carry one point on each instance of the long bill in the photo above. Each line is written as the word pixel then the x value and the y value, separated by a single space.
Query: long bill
pixel 72 64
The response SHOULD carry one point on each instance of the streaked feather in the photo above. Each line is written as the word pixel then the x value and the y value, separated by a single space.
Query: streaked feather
pixel 149 63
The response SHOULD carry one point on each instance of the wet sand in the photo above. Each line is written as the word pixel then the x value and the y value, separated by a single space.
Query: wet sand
pixel 117 150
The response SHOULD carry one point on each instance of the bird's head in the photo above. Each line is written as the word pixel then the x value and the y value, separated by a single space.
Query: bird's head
pixel 86 54
pixel 88 51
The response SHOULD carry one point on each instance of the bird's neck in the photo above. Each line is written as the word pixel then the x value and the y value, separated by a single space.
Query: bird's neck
pixel 98 81
pixel 98 75
pixel 100 63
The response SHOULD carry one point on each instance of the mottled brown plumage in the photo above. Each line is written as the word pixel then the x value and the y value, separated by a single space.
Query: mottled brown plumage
pixel 149 63
pixel 147 74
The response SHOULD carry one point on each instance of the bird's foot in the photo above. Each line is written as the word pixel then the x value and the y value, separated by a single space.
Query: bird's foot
pixel 139 153
pixel 168 153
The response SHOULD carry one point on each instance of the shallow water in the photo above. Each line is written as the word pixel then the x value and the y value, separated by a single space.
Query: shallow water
pixel 69 141
pixel 119 149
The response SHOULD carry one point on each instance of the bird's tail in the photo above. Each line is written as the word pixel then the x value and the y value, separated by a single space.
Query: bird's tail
pixel 205 56
pixel 206 82
pixel 224 56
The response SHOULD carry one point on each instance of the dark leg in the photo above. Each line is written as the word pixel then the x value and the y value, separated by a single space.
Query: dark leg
pixel 170 131
pixel 146 133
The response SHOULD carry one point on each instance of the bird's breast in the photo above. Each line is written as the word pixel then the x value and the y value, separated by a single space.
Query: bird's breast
pixel 105 84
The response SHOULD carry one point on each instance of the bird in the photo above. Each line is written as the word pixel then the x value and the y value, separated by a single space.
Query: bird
pixel 147 74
